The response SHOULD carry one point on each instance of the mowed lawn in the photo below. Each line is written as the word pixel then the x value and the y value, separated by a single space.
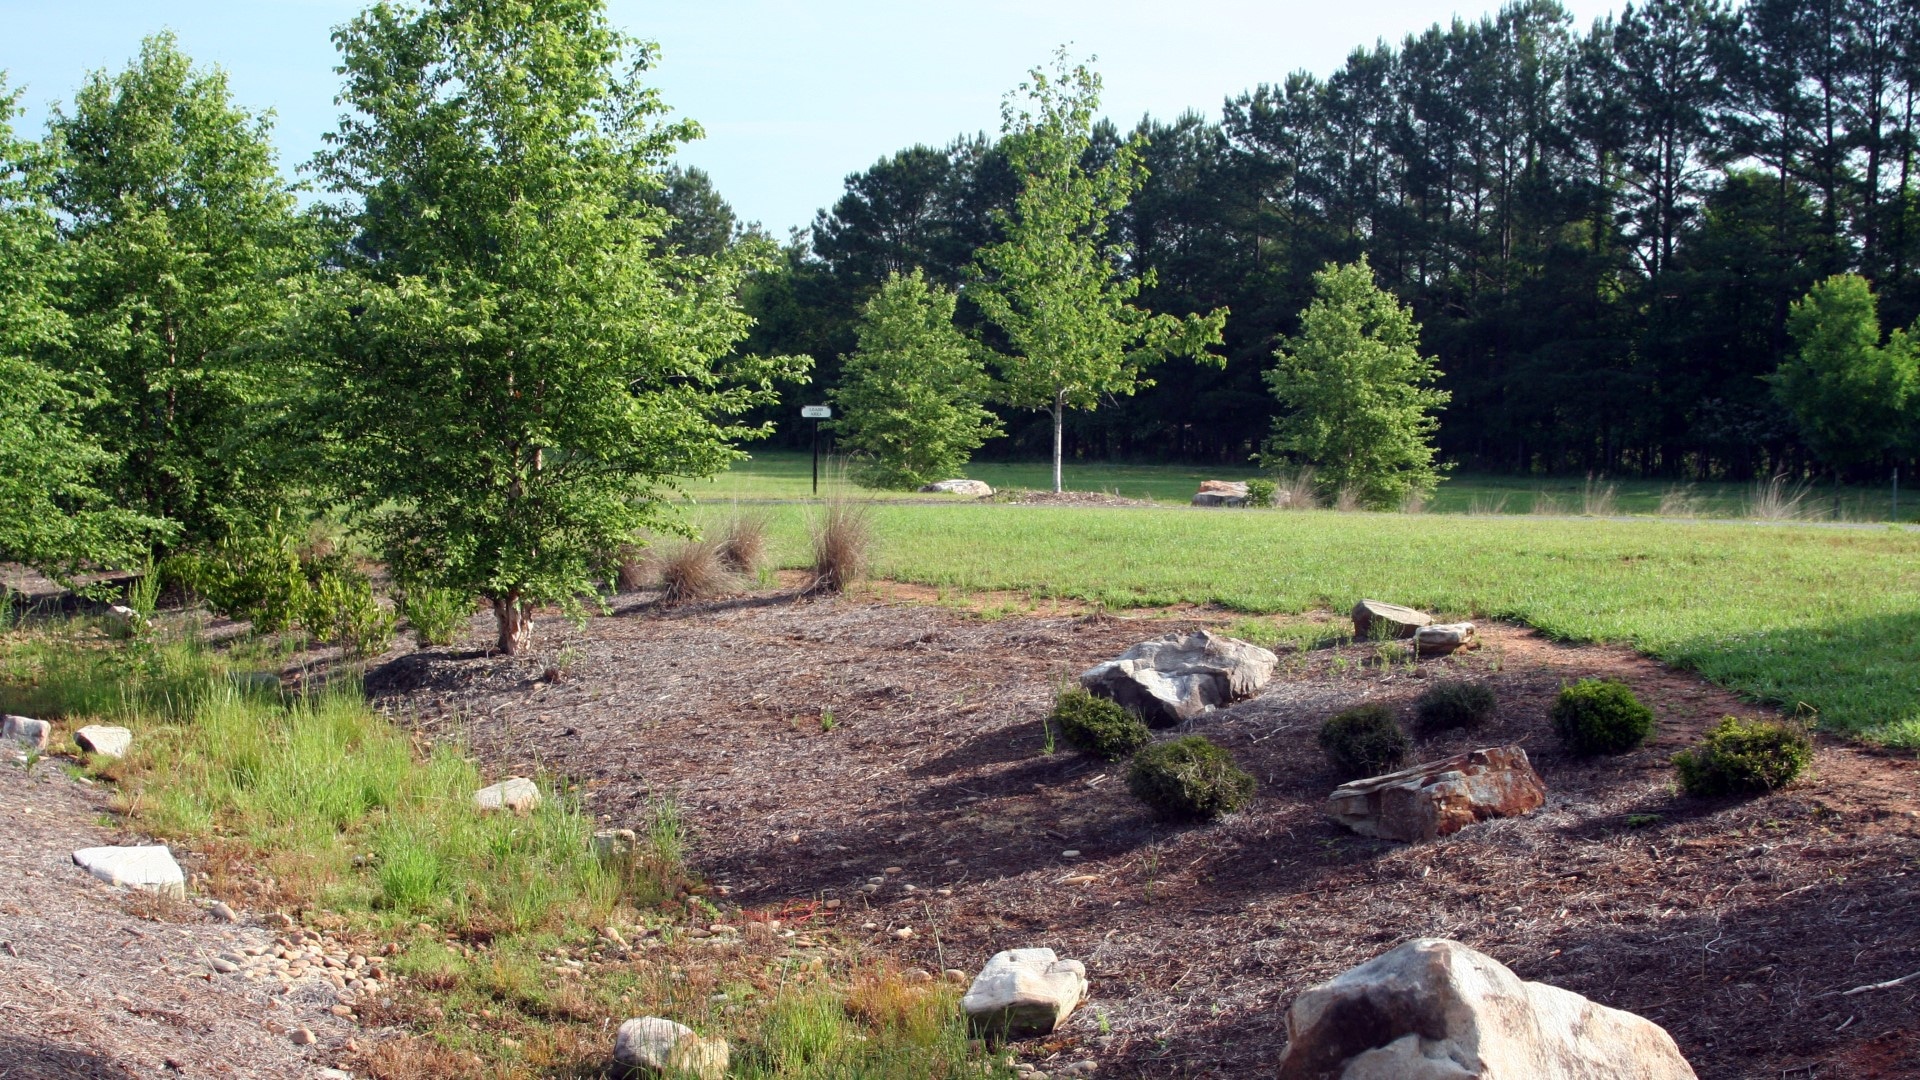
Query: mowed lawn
pixel 1818 619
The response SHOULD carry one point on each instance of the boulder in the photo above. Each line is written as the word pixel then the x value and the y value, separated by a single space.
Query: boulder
pixel 104 740
pixel 1221 493
pixel 1023 992
pixel 1440 639
pixel 1180 676
pixel 1374 619
pixel 651 1046
pixel 1441 797
pixel 122 621
pixel 25 732
pixel 977 488
pixel 146 866
pixel 1433 1009
pixel 616 844
pixel 516 793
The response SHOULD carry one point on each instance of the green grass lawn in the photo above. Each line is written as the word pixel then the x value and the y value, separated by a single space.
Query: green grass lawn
pixel 1821 617
pixel 780 474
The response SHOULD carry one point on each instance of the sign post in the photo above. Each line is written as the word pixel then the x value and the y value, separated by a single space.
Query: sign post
pixel 816 413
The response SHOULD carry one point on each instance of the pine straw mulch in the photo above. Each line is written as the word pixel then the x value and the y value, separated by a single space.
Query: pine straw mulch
pixel 1739 925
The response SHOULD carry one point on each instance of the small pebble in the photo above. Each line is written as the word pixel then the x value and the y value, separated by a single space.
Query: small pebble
pixel 303 1037
pixel 219 910
pixel 224 966
pixel 903 933
pixel 1070 853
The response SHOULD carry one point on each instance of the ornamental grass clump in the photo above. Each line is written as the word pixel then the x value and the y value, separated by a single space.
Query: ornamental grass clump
pixel 743 547
pixel 691 571
pixel 1744 757
pixel 1453 704
pixel 1599 716
pixel 842 547
pixel 1364 741
pixel 1100 726
pixel 1188 778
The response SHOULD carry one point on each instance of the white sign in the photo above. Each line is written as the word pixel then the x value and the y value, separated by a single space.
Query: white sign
pixel 815 412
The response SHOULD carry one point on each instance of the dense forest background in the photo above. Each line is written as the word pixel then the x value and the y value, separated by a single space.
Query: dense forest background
pixel 1601 231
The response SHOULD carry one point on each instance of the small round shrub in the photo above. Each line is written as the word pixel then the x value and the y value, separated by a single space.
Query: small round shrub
pixel 1364 741
pixel 1740 757
pixel 1599 716
pixel 1098 725
pixel 1261 492
pixel 1454 703
pixel 1188 778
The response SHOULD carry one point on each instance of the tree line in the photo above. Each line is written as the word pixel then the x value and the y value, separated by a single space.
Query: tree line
pixel 1602 233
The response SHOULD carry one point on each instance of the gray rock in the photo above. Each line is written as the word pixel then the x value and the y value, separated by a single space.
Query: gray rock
pixel 651 1046
pixel 516 793
pixel 105 740
pixel 1221 493
pixel 147 866
pixel 1023 992
pixel 1440 639
pixel 1375 619
pixel 616 844
pixel 122 621
pixel 1433 1009
pixel 1178 677
pixel 976 488
pixel 26 732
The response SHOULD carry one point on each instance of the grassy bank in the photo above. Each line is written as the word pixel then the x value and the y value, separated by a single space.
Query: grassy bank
pixel 1820 618
pixel 497 923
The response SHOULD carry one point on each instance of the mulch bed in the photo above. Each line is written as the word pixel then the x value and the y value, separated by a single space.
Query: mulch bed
pixel 1737 924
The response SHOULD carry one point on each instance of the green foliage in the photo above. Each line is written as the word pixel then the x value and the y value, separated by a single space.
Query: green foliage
pixel 1188 777
pixel 1741 757
pixel 338 607
pixel 183 235
pixel 1364 741
pixel 1454 703
pixel 258 577
pixel 1599 716
pixel 910 394
pixel 512 373
pixel 1098 725
pixel 1261 492
pixel 1357 393
pixel 1847 393
pixel 54 515
pixel 1053 286
pixel 436 615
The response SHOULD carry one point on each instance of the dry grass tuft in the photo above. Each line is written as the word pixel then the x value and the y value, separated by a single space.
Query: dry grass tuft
pixel 1778 500
pixel 1486 505
pixel 1547 505
pixel 1346 500
pixel 842 547
pixel 1598 499
pixel 1679 501
pixel 633 572
pixel 691 571
pixel 743 547
pixel 1294 490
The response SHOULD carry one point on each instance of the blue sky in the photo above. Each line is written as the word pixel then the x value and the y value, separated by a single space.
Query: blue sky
pixel 793 96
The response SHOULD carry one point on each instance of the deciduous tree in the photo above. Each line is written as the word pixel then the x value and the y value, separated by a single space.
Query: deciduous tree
pixel 1848 393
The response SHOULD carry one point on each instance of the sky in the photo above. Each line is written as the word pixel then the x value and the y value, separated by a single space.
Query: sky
pixel 793 96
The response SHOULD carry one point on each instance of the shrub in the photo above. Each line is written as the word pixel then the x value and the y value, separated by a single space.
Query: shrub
pixel 1364 741
pixel 744 546
pixel 1188 778
pixel 435 614
pixel 1743 757
pixel 1261 492
pixel 842 543
pixel 1098 725
pixel 258 578
pixel 340 608
pixel 691 571
pixel 1599 716
pixel 1454 703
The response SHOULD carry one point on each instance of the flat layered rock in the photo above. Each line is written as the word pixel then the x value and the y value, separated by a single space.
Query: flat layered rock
pixel 1181 676
pixel 979 489
pixel 1376 619
pixel 1441 639
pixel 1023 993
pixel 651 1046
pixel 104 739
pixel 1437 798
pixel 1221 493
pixel 145 866
pixel 1434 1009
pixel 516 793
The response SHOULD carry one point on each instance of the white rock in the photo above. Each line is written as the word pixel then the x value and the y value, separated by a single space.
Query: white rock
pixel 28 733
pixel 1375 619
pixel 147 866
pixel 105 740
pixel 651 1046
pixel 1181 676
pixel 124 622
pixel 976 488
pixel 1023 992
pixel 517 793
pixel 1433 1009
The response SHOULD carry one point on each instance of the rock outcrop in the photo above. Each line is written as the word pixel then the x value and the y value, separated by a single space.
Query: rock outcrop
pixel 1221 493
pixel 1436 798
pixel 1375 619
pixel 1433 1009
pixel 1180 676
pixel 1022 993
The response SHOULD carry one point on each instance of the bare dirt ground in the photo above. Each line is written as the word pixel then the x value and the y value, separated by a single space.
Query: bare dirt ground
pixel 99 982
pixel 927 802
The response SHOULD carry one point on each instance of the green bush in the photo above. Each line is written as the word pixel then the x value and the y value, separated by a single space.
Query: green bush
pixel 1454 703
pixel 1599 716
pixel 259 579
pixel 1261 492
pixel 1188 778
pixel 1743 757
pixel 436 615
pixel 340 608
pixel 1099 726
pixel 1364 741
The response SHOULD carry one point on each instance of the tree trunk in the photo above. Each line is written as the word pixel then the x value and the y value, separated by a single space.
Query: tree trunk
pixel 515 620
pixel 1059 420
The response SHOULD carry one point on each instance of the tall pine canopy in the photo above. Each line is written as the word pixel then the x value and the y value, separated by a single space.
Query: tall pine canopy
pixel 513 372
